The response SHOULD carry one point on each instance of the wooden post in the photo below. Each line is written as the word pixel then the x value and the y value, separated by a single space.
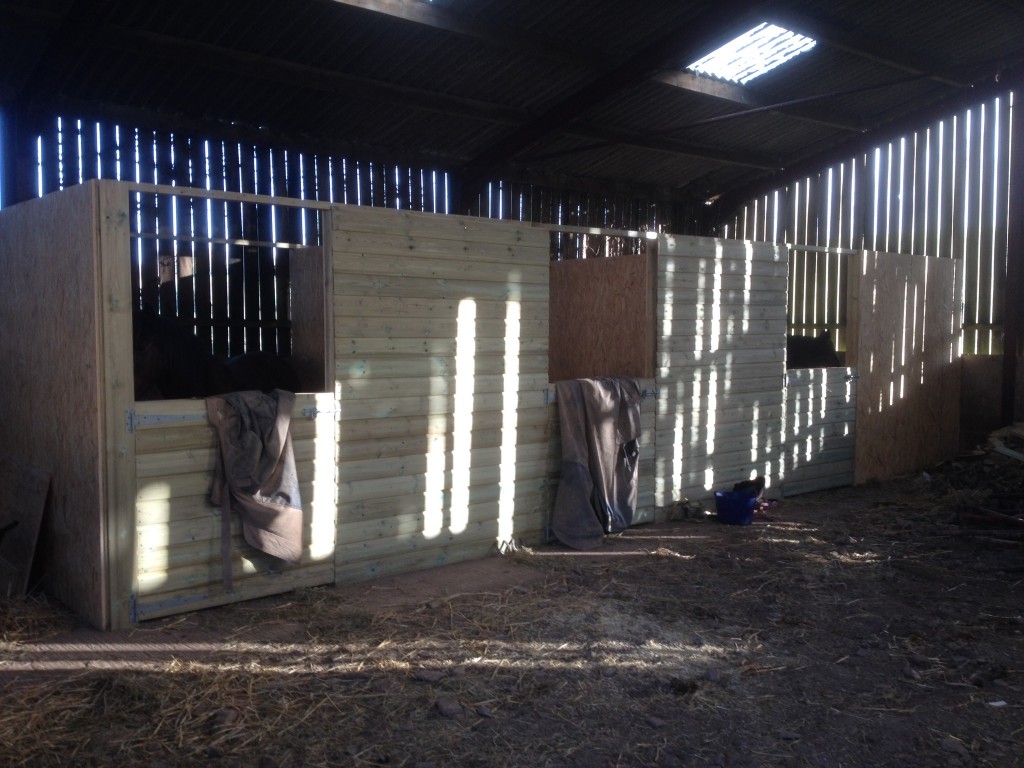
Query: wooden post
pixel 1013 286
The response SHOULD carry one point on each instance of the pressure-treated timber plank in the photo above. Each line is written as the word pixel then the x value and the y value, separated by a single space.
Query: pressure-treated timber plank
pixel 422 298
pixel 390 245
pixel 410 307
pixel 408 504
pixel 437 327
pixel 356 284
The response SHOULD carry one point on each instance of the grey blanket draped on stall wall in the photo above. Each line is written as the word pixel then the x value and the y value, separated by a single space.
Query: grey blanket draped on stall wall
pixel 600 431
pixel 255 473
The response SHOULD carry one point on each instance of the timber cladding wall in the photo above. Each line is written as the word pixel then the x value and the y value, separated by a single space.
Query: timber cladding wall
pixel 821 410
pixel 178 536
pixel 441 339
pixel 721 323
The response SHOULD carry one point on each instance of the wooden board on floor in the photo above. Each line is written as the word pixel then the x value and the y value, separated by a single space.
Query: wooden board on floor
pixel 21 513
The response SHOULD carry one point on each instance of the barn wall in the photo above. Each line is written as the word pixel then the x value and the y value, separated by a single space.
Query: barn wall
pixel 178 538
pixel 721 323
pixel 904 341
pixel 938 191
pixel 821 409
pixel 50 382
pixel 441 339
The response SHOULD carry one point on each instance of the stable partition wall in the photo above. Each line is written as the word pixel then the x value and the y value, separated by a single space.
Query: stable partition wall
pixel 904 341
pixel 447 449
pixel 820 429
pixel 721 327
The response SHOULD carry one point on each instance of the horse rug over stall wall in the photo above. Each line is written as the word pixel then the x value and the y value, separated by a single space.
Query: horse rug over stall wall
pixel 255 473
pixel 600 430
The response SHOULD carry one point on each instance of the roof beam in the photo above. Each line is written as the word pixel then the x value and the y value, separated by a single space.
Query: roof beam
pixel 684 41
pixel 332 82
pixel 561 50
pixel 507 37
pixel 890 53
pixel 758 101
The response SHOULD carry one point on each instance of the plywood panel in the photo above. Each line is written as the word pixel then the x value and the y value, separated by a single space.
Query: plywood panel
pixel 602 317
pixel 178 531
pixel 904 332
pixel 50 383
pixel 441 364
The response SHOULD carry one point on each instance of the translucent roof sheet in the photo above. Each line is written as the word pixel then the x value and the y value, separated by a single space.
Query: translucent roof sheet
pixel 753 53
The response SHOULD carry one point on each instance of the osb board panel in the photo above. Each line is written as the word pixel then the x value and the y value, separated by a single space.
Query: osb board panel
pixel 820 427
pixel 602 317
pixel 904 324
pixel 178 532
pixel 721 325
pixel 440 326
pixel 50 383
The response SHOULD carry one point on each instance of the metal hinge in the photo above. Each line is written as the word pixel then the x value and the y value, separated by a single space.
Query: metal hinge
pixel 133 421
pixel 312 411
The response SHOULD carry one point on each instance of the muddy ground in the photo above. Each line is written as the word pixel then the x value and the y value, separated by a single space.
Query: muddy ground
pixel 881 625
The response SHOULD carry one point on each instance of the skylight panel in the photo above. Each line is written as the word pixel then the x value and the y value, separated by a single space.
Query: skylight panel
pixel 753 53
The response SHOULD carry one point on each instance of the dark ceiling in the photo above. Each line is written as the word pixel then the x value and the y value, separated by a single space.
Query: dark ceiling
pixel 546 91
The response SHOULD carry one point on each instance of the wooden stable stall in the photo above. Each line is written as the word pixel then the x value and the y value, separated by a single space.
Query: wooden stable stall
pixel 820 429
pixel 427 433
pixel 127 533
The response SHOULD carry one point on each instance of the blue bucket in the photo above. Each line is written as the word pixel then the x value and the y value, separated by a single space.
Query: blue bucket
pixel 735 507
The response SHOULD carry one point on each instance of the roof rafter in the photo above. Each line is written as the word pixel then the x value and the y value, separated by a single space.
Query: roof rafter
pixel 517 41
pixel 890 53
pixel 684 41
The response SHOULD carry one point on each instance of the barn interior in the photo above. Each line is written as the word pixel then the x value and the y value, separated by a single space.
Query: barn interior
pixel 391 193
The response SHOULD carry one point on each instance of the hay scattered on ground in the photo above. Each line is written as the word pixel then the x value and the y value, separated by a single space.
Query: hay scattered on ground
pixel 844 628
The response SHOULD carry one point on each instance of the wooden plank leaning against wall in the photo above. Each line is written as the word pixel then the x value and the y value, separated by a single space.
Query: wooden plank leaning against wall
pixel 441 326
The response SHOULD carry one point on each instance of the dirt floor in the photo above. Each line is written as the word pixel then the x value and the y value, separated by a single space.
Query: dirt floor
pixel 881 625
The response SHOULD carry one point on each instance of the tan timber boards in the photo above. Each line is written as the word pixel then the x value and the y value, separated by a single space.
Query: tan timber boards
pixel 178 531
pixel 441 333
pixel 903 339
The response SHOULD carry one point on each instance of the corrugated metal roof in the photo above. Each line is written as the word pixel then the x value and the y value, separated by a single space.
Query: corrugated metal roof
pixel 520 90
